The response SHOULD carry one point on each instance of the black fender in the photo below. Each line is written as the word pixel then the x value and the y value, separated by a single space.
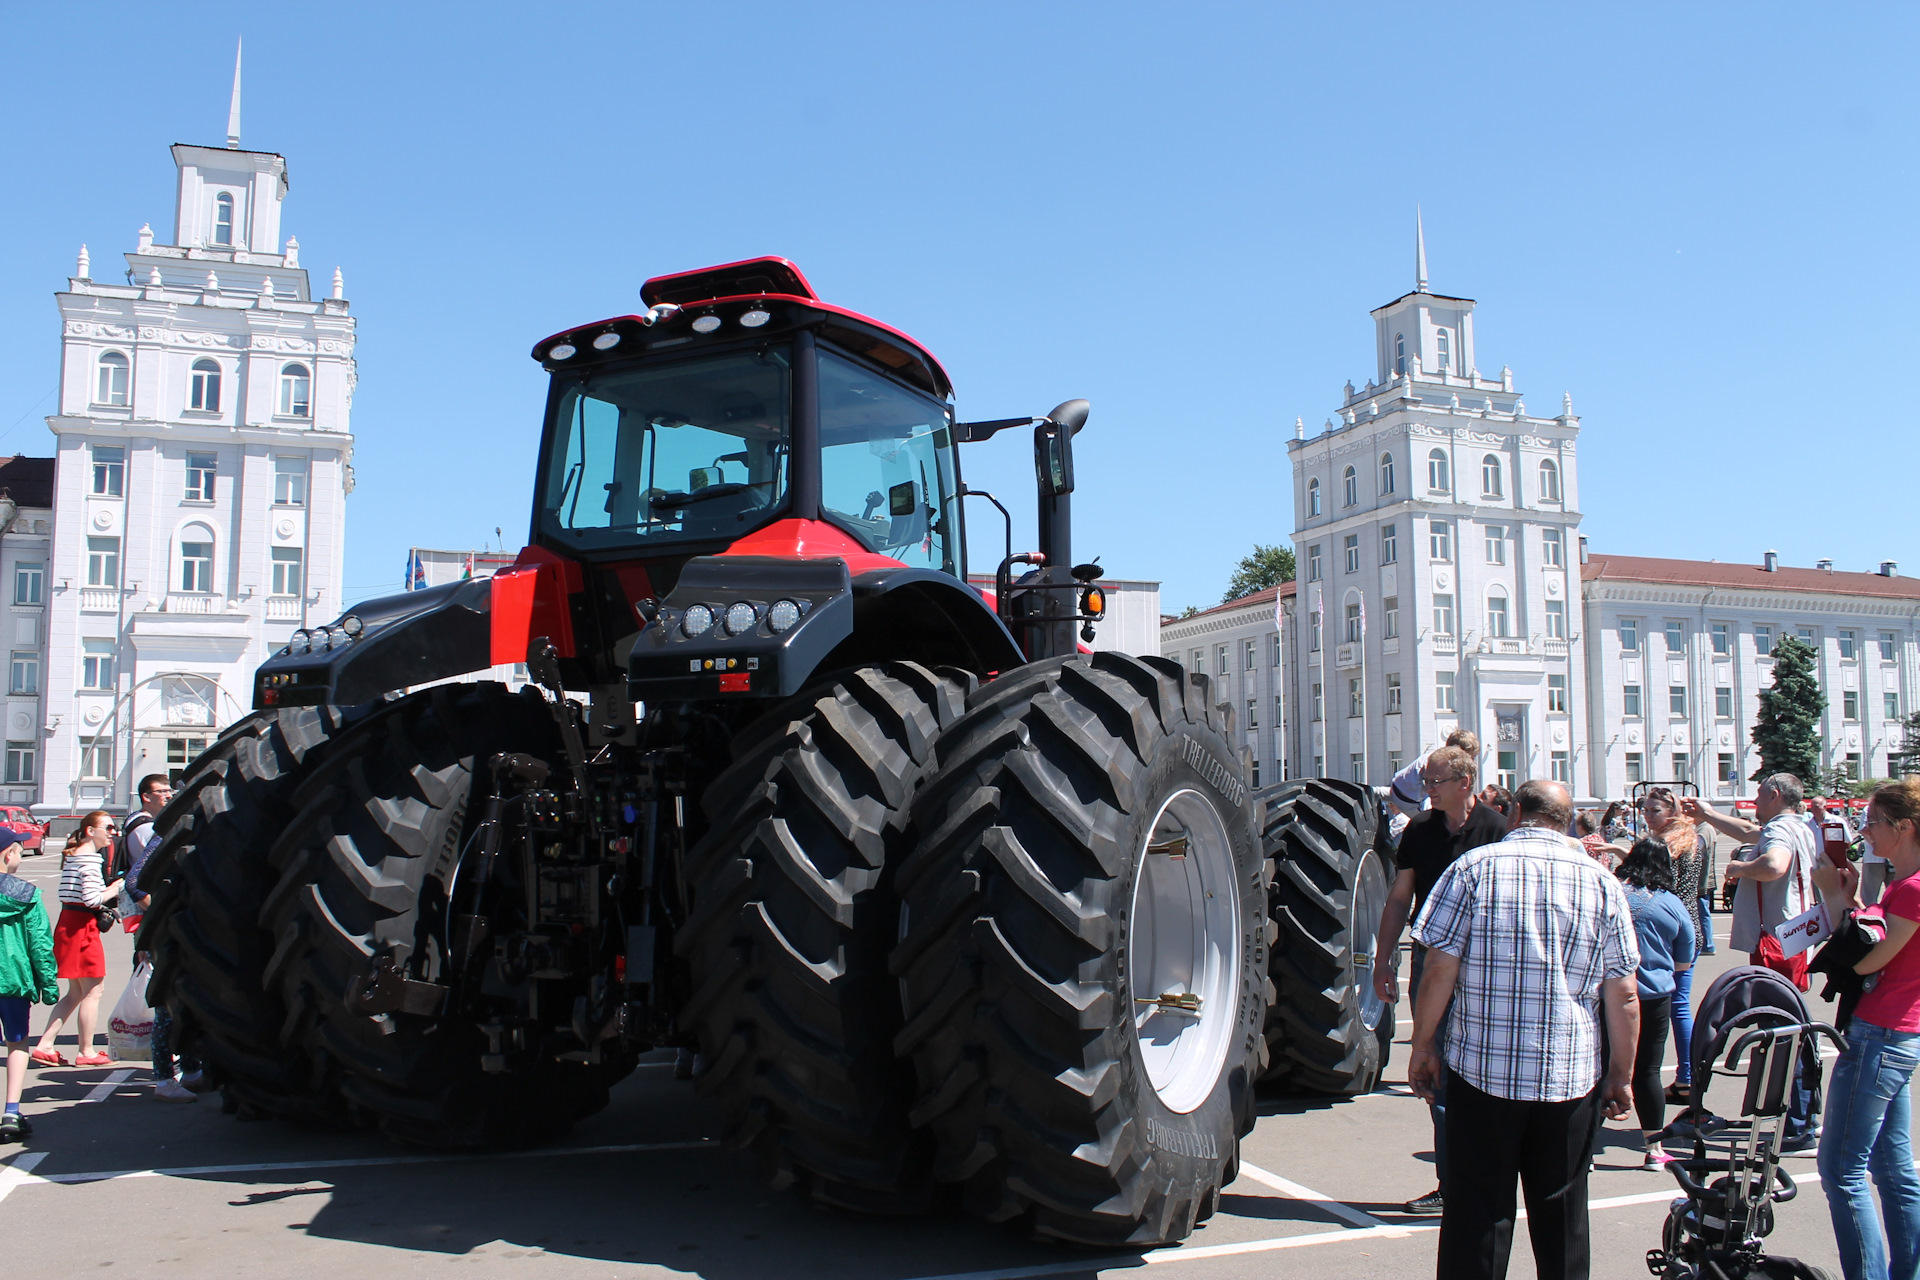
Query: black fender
pixel 382 645
pixel 843 620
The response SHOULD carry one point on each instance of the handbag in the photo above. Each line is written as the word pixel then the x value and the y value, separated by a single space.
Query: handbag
pixel 1773 953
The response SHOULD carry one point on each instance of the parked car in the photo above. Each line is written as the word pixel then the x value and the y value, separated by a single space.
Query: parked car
pixel 21 819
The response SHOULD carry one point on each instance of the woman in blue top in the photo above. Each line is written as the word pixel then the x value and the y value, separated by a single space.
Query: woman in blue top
pixel 1665 930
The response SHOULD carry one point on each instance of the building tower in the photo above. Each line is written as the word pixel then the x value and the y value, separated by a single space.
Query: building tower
pixel 1436 527
pixel 202 465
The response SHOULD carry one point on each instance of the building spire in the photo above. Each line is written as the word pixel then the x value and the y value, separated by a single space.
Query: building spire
pixel 233 111
pixel 1419 226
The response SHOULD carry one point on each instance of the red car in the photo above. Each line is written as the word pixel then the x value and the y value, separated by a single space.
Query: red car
pixel 33 834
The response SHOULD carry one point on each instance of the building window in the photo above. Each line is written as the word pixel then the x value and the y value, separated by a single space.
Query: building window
pixel 1399 354
pixel 200 472
pixel 1353 624
pixel 1849 704
pixel 286 580
pixel 1723 767
pixel 1889 643
pixel 1849 644
pixel 1253 714
pixel 1318 771
pixel 1562 766
pixel 1390 617
pixel 296 389
pixel 1556 693
pixel 1852 765
pixel 1256 773
pixel 204 393
pixel 196 566
pixel 1443 356
pixel 180 753
pixel 1437 478
pixel 1199 664
pixel 1722 639
pixel 1313 632
pixel 1676 637
pixel 289 482
pixel 1443 613
pixel 103 562
pixel 1677 699
pixel 1443 691
pixel 1890 706
pixel 1550 547
pixel 1250 649
pixel 21 761
pixel 1763 641
pixel 1393 694
pixel 96 760
pixel 1808 638
pixel 1496 544
pixel 1352 548
pixel 1681 772
pixel 1490 476
pixel 1723 701
pixel 1357 767
pixel 1319 703
pixel 1556 619
pixel 1313 497
pixel 1395 759
pixel 1389 544
pixel 25 673
pixel 1630 634
pixel 29 583
pixel 1629 699
pixel 1386 474
pixel 1440 541
pixel 1350 488
pixel 1497 614
pixel 1549 481
pixel 113 379
pixel 223 219
pixel 1220 660
pixel 1636 772
pixel 1356 701
pixel 1276 648
pixel 1279 719
pixel 1313 562
pixel 109 470
pixel 96 664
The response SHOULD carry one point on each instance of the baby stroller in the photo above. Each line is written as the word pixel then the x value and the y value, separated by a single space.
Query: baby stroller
pixel 1752 1025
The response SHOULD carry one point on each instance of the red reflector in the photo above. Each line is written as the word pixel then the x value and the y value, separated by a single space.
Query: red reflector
pixel 619 968
pixel 734 683
pixel 270 696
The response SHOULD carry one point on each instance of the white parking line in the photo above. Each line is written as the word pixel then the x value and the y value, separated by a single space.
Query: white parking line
pixel 104 1090
pixel 19 1171
pixel 1306 1195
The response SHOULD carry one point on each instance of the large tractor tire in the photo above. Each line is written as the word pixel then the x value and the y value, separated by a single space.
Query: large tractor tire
pixel 1327 1031
pixel 362 874
pixel 208 879
pixel 1083 951
pixel 793 917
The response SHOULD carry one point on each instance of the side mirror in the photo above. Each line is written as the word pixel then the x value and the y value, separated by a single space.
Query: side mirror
pixel 1053 457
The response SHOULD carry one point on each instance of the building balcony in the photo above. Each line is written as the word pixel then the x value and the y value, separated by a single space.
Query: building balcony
pixel 1444 643
pixel 1503 644
pixel 99 600
pixel 1347 655
pixel 193 602
pixel 1554 648
pixel 283 608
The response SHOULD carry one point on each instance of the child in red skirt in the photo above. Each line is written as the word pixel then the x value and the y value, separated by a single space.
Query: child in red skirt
pixel 76 940
pixel 26 975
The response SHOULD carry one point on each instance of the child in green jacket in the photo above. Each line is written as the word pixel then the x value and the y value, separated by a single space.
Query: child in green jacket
pixel 27 974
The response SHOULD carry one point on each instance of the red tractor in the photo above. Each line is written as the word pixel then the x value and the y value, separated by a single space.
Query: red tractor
pixel 940 900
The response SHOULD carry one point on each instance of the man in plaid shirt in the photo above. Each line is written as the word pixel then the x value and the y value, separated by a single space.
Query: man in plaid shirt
pixel 1528 938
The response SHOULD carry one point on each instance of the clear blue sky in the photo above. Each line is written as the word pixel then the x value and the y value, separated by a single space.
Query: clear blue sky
pixel 1698 219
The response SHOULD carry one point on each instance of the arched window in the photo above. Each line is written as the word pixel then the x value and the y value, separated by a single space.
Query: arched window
pixel 1313 497
pixel 1440 348
pixel 205 392
pixel 1549 481
pixel 1386 473
pixel 223 219
pixel 113 379
pixel 1399 354
pixel 296 391
pixel 1437 471
pixel 1350 487
pixel 1490 476
pixel 195 573
pixel 1497 614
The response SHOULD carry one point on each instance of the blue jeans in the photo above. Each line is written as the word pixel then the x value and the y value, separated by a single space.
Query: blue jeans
pixel 1437 1109
pixel 1705 940
pixel 1868 1115
pixel 1682 1016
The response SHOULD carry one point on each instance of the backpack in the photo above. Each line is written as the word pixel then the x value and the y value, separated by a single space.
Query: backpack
pixel 122 865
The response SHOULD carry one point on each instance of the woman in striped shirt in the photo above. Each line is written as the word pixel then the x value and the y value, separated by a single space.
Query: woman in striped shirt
pixel 76 940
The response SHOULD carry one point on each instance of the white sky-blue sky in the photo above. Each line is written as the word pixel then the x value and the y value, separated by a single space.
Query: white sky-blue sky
pixel 1698 219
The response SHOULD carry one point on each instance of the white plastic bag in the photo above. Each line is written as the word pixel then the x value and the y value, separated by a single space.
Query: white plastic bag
pixel 130 1029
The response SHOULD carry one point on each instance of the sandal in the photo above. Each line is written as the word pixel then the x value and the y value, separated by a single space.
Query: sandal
pixel 94 1060
pixel 1679 1095
pixel 48 1058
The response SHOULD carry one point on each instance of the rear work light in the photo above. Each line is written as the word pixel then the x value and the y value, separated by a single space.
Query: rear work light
pixel 562 351
pixel 606 342
pixel 755 318
pixel 706 324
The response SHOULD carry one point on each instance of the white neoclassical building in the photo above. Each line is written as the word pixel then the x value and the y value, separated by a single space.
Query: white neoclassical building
pixel 203 463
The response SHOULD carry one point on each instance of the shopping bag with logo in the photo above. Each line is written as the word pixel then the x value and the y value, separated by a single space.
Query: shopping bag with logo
pixel 130 1028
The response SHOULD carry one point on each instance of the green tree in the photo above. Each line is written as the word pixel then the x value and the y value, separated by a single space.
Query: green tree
pixel 1786 732
pixel 1266 567
pixel 1905 756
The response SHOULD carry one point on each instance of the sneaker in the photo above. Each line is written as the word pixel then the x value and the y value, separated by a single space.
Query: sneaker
pixel 1429 1205
pixel 1799 1143
pixel 174 1091
pixel 15 1127
pixel 196 1082
pixel 1656 1158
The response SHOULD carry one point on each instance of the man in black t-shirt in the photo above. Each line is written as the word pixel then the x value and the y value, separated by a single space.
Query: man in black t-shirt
pixel 1457 822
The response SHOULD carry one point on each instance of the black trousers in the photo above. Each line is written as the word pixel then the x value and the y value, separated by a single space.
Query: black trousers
pixel 1491 1143
pixel 1649 1095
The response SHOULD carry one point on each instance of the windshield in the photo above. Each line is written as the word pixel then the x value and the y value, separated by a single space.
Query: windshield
pixel 693 450
pixel 886 466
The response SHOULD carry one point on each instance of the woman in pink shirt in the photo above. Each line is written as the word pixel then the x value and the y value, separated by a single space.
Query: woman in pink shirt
pixel 1869 1110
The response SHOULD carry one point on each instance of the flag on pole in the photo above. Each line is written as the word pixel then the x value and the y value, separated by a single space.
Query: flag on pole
pixel 416 570
pixel 469 569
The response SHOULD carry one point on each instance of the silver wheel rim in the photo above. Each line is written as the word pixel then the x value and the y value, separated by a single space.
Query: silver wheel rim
pixel 1363 936
pixel 1184 950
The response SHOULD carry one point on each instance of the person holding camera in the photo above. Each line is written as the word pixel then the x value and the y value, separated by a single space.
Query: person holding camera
pixel 85 898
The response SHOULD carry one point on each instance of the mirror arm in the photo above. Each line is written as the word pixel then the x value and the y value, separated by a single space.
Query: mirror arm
pixel 965 492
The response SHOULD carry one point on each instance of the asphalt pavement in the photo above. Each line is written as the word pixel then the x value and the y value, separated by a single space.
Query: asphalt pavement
pixel 115 1177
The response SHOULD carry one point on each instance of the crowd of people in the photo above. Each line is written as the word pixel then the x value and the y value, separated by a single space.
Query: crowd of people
pixel 1554 952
